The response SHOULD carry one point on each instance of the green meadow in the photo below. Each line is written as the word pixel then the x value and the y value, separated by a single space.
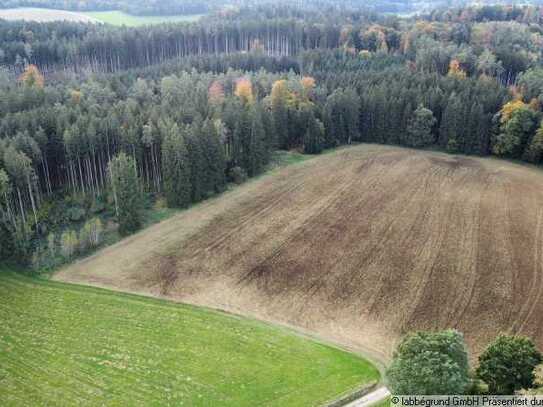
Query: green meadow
pixel 119 18
pixel 71 345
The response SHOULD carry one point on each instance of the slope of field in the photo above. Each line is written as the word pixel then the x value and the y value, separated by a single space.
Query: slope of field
pixel 69 345
pixel 119 18
pixel 44 15
pixel 359 246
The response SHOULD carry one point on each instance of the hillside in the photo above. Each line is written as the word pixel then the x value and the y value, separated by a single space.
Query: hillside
pixel 360 246
pixel 67 345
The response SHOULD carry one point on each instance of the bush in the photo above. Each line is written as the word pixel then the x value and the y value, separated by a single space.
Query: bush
pixel 508 364
pixel 68 244
pixel 430 363
pixel 90 235
pixel 76 214
pixel 237 175
pixel 52 245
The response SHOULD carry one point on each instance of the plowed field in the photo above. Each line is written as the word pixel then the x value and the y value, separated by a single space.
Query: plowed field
pixel 358 246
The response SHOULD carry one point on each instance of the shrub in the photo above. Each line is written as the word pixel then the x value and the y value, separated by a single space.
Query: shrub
pixel 52 245
pixel 68 244
pixel 237 175
pixel 76 214
pixel 90 236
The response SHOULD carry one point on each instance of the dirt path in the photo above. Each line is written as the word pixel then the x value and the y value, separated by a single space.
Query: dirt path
pixel 359 247
pixel 371 399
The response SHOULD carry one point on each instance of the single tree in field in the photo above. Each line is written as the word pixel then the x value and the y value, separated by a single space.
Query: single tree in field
pixel 125 185
pixel 419 128
pixel 430 363
pixel 508 364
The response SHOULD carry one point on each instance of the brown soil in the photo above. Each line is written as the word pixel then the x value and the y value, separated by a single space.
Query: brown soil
pixel 359 246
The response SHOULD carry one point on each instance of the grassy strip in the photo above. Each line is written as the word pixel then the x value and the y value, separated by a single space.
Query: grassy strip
pixel 63 344
pixel 119 18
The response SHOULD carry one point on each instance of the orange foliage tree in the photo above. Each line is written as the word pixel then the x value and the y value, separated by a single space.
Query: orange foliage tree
pixel 32 77
pixel 216 93
pixel 244 90
pixel 455 70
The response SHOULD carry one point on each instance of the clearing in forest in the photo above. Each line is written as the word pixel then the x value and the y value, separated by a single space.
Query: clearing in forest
pixel 67 345
pixel 42 15
pixel 120 18
pixel 360 246
pixel 115 17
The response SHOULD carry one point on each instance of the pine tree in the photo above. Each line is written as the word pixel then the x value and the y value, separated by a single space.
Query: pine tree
pixel 125 185
pixel 534 152
pixel 197 161
pixel 214 179
pixel 176 167
pixel 314 136
pixel 419 129
pixel 257 154
pixel 279 95
pixel 450 124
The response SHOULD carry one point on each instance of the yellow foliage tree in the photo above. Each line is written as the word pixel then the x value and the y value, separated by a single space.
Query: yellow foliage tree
pixel 244 90
pixel 509 108
pixel 75 96
pixel 32 77
pixel 455 70
pixel 279 91
pixel 308 85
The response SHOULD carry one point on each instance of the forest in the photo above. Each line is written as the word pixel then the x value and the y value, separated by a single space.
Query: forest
pixel 98 123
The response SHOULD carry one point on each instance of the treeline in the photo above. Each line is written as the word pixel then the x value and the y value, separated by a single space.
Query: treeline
pixel 187 133
pixel 498 48
pixel 180 130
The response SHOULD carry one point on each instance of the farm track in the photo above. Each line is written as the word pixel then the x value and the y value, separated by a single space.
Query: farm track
pixel 358 246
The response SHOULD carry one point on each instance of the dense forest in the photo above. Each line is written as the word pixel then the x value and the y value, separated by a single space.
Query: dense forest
pixel 127 118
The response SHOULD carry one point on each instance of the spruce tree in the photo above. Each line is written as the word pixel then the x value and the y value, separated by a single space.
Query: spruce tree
pixel 176 167
pixel 314 136
pixel 419 129
pixel 125 186
pixel 215 178
pixel 197 161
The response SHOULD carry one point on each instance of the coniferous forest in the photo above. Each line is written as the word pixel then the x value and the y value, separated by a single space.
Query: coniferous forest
pixel 98 123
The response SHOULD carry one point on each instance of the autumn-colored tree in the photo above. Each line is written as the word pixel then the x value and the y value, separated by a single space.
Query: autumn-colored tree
pixel 509 108
pixel 455 70
pixel 32 77
pixel 75 97
pixel 216 93
pixel 244 90
pixel 308 82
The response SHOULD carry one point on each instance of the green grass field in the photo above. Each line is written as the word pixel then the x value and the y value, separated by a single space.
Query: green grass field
pixel 119 18
pixel 70 345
